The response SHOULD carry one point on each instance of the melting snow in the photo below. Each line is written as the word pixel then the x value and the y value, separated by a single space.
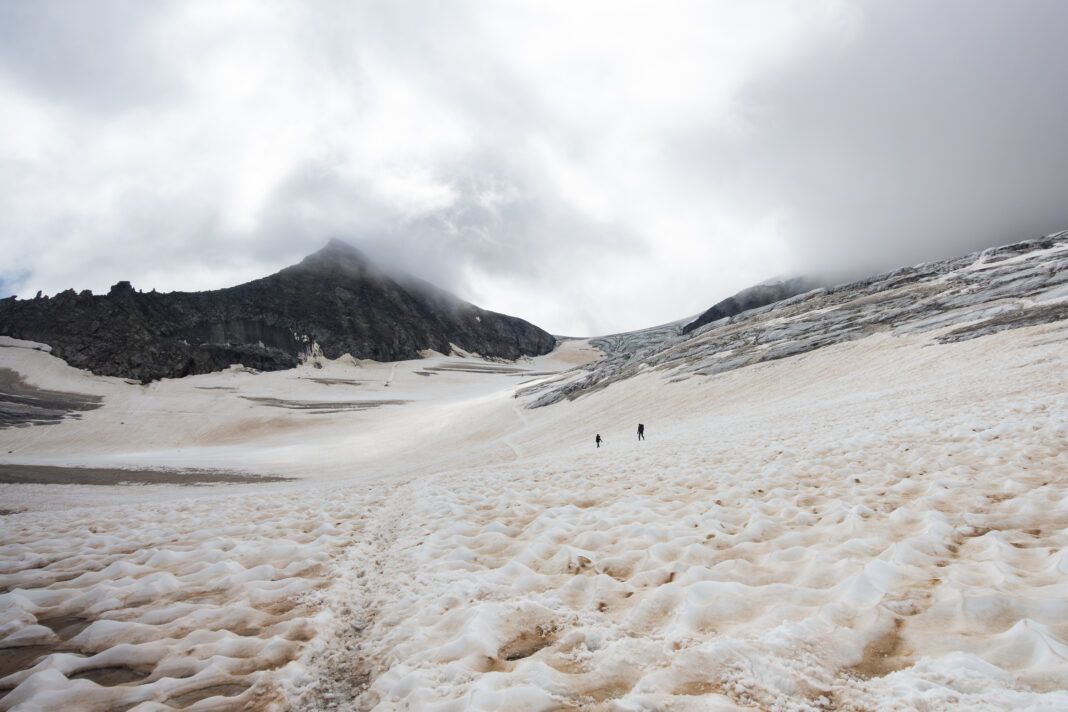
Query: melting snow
pixel 876 525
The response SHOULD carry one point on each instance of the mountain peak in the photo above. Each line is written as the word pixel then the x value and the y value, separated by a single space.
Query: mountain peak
pixel 338 246
pixel 337 255
pixel 334 298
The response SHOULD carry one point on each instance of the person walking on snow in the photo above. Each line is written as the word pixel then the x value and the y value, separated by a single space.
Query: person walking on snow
pixel 641 431
pixel 598 440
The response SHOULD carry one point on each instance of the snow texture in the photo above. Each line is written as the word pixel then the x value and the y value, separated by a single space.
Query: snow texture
pixel 877 524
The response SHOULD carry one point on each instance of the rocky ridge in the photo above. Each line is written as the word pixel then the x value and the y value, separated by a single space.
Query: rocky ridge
pixel 752 298
pixel 334 302
pixel 1014 286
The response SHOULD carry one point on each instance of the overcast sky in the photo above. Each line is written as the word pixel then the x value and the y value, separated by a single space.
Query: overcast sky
pixel 590 167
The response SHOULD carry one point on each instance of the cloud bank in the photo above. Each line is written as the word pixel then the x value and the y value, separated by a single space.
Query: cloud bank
pixel 591 168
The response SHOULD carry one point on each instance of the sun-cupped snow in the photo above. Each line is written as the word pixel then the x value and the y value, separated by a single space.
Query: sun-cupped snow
pixel 875 524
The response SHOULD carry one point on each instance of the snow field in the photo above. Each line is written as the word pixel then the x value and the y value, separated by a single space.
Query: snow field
pixel 877 525
pixel 899 546
pixel 177 605
pixel 373 419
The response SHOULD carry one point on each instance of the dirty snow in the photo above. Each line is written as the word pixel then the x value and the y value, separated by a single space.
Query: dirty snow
pixel 876 525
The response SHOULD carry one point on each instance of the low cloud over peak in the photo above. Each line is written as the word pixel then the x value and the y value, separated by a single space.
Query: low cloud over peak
pixel 589 170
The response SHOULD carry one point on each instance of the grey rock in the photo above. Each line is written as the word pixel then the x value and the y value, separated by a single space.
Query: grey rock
pixel 1020 285
pixel 752 298
pixel 334 298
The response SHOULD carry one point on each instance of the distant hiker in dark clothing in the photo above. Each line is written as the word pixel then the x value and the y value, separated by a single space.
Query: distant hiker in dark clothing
pixel 641 431
pixel 598 440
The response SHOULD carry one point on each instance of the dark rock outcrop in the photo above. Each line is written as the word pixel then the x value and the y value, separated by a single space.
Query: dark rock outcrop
pixel 752 298
pixel 334 298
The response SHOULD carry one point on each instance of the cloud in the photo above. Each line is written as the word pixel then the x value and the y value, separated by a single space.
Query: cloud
pixel 929 133
pixel 591 168
pixel 100 58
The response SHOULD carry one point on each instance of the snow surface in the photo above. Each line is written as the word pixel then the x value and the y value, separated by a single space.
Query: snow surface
pixel 875 525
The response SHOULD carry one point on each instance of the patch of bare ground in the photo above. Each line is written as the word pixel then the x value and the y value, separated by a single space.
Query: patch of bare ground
pixel 337 381
pixel 527 643
pixel 53 475
pixel 477 368
pixel 884 655
pixel 23 404
pixel 190 698
pixel 65 627
pixel 320 407
pixel 19 658
pixel 112 675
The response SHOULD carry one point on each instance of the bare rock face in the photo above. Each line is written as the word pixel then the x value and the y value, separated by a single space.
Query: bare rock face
pixel 334 298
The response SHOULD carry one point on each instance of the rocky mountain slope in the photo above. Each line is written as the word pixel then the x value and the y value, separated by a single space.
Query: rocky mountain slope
pixel 752 298
pixel 1009 287
pixel 334 299
pixel 761 295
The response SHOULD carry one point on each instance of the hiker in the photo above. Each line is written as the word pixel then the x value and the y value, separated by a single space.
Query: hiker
pixel 641 431
pixel 598 440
